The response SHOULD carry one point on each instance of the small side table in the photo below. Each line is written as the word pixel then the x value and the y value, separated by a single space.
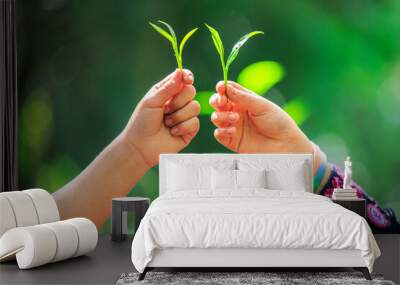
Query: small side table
pixel 119 217
pixel 357 206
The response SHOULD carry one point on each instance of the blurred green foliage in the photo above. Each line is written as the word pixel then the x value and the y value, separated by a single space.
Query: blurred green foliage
pixel 203 98
pixel 333 65
pixel 261 76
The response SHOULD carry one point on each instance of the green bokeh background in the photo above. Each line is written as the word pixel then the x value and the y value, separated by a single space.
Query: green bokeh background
pixel 83 65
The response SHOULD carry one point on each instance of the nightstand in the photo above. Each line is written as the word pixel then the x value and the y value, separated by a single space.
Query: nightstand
pixel 119 217
pixel 388 263
pixel 357 206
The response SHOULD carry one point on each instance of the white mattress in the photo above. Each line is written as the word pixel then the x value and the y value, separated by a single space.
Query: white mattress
pixel 257 219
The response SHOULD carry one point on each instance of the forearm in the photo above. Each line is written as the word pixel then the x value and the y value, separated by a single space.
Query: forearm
pixel 113 173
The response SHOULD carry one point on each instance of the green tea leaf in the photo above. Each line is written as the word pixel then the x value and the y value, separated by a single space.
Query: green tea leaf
pixel 217 40
pixel 185 39
pixel 220 49
pixel 171 36
pixel 235 50
pixel 171 31
pixel 174 44
pixel 163 32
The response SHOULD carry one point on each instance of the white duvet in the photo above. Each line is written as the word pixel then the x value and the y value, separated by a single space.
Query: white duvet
pixel 250 219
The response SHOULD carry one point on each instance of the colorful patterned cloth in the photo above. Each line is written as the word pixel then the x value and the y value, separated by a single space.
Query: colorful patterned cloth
pixel 381 220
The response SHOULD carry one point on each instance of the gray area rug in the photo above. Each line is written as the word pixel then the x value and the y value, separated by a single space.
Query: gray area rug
pixel 231 278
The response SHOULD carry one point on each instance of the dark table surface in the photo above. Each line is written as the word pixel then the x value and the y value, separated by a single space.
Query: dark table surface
pixel 102 266
pixel 110 259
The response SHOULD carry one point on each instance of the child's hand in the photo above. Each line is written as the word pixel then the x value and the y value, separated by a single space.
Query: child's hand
pixel 249 123
pixel 165 120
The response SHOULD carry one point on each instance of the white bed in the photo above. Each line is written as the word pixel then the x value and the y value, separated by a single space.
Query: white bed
pixel 231 226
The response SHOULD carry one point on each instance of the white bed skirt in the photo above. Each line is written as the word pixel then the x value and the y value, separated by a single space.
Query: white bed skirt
pixel 235 257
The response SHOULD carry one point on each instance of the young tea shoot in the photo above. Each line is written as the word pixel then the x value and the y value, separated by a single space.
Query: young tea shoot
pixel 234 52
pixel 171 37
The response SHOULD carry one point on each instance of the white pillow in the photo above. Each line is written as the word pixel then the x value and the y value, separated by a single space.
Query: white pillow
pixel 251 178
pixel 188 177
pixel 223 179
pixel 282 174
pixel 291 179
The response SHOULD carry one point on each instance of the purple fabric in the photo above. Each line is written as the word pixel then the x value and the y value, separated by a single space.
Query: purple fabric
pixel 381 220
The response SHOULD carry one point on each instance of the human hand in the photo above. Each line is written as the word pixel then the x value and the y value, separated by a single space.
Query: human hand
pixel 165 120
pixel 249 123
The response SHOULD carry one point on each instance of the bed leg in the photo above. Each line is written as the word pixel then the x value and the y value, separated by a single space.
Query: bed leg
pixel 143 274
pixel 364 271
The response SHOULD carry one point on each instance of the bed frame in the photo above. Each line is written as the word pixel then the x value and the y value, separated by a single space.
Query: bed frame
pixel 247 259
pixel 260 259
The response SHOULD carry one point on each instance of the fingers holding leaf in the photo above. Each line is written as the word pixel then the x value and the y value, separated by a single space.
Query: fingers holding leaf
pixel 184 97
pixel 220 103
pixel 164 91
pixel 225 136
pixel 190 110
pixel 225 119
pixel 188 127
pixel 188 77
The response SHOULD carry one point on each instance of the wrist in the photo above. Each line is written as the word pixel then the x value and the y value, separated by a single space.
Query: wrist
pixel 319 159
pixel 132 153
pixel 321 167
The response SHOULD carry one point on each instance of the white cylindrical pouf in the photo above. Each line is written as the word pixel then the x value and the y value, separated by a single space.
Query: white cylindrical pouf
pixel 87 234
pixel 45 205
pixel 67 239
pixel 7 218
pixel 40 244
pixel 23 208
pixel 34 246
